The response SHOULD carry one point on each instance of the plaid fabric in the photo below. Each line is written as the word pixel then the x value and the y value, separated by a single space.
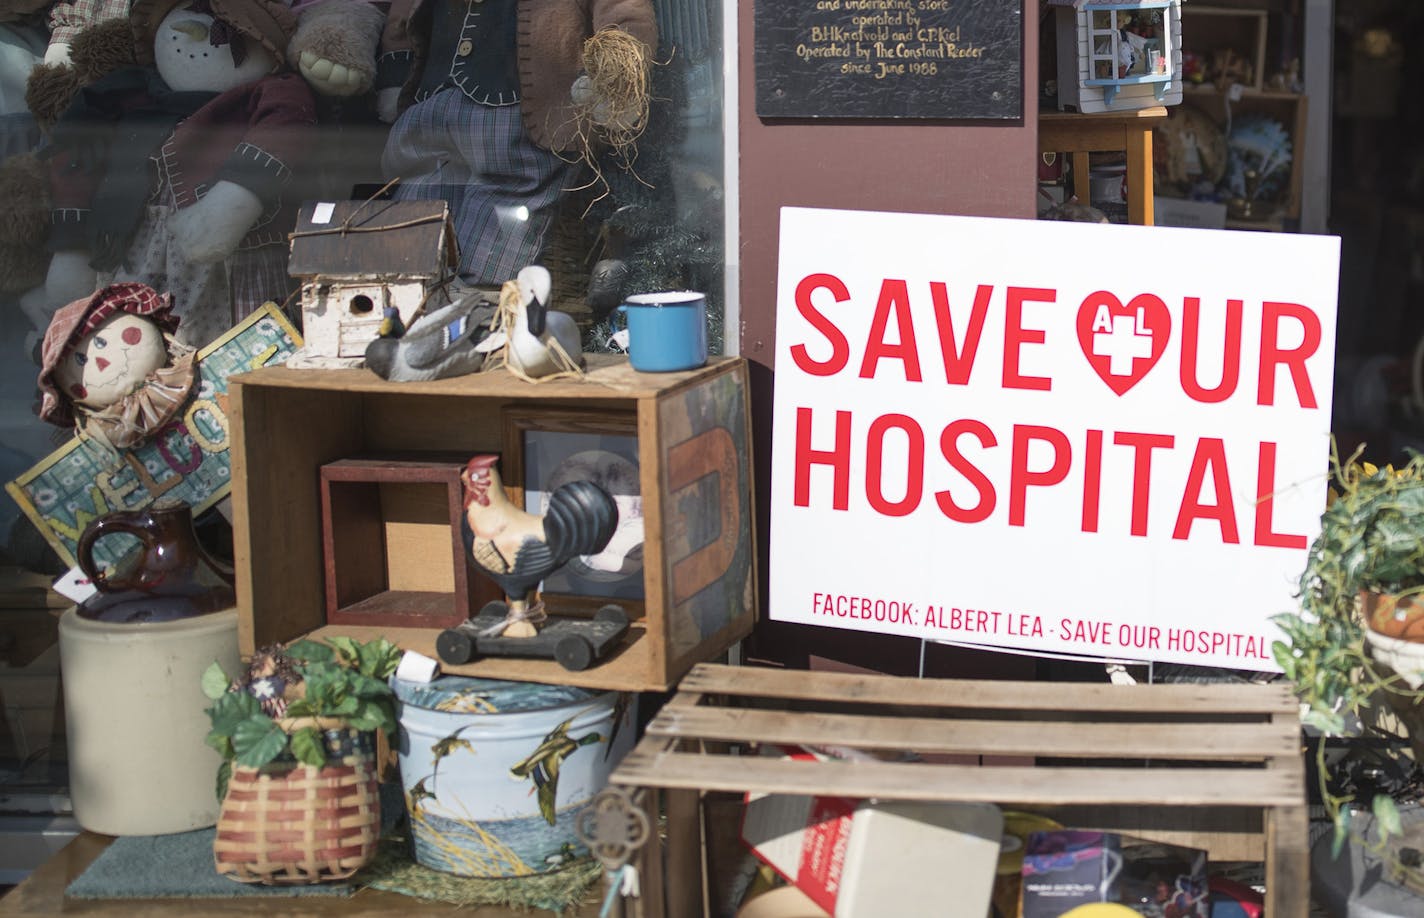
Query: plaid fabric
pixel 73 322
pixel 67 20
pixel 257 276
pixel 502 189
pixel 210 298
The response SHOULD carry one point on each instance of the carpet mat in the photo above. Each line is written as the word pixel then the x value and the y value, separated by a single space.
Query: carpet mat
pixel 174 866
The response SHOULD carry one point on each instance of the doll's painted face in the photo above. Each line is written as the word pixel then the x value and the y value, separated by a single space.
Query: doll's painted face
pixel 111 361
pixel 195 52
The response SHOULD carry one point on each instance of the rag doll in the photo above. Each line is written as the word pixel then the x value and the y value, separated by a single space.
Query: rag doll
pixel 175 173
pixel 110 368
pixel 482 96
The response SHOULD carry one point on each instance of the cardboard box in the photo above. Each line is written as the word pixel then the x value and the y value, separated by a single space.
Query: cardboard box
pixel 1189 214
pixel 1065 868
pixel 870 858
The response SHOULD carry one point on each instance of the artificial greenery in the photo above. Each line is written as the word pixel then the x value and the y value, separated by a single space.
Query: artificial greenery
pixel 288 694
pixel 1371 540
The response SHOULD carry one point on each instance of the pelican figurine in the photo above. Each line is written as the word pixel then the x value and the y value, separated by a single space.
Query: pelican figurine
pixel 535 326
pixel 543 763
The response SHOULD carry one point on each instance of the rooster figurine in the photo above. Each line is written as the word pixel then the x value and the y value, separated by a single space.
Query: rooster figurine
pixel 518 549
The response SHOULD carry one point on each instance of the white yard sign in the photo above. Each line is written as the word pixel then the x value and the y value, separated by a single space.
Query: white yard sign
pixel 1066 437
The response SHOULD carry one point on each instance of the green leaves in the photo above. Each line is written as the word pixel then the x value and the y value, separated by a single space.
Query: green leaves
pixel 257 741
pixel 342 679
pixel 1387 815
pixel 232 709
pixel 215 682
pixel 308 747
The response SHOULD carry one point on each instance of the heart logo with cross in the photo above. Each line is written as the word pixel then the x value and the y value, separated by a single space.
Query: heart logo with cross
pixel 1123 342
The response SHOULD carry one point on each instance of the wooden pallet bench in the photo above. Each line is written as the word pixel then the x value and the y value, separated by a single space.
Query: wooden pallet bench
pixel 1216 767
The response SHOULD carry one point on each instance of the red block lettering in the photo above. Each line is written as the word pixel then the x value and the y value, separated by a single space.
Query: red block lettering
pixel 1142 445
pixel 1265 502
pixel 958 361
pixel 949 446
pixel 1015 336
pixel 840 347
pixel 838 459
pixel 914 471
pixel 1272 354
pixel 1092 479
pixel 1211 453
pixel 894 297
pixel 1020 478
pixel 1231 359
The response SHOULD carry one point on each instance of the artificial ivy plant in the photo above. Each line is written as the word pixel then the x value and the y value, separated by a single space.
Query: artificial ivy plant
pixel 1371 540
pixel 290 696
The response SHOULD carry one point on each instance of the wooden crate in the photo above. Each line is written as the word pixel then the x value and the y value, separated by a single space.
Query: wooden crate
pixel 1209 29
pixel 1216 767
pixel 1290 109
pixel 695 476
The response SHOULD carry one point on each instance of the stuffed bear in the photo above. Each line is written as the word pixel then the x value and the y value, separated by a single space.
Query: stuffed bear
pixel 481 95
pixel 175 173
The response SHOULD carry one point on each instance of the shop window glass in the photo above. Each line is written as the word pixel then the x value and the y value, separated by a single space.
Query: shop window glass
pixel 654 211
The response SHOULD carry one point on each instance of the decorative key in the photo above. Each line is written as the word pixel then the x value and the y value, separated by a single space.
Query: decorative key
pixel 612 826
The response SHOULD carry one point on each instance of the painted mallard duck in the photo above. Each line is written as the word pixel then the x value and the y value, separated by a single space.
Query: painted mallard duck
pixel 542 765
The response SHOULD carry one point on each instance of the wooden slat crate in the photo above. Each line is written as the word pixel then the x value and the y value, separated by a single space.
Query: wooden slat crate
pixel 1217 767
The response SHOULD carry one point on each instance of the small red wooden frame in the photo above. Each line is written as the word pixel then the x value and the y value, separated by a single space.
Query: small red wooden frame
pixel 354 546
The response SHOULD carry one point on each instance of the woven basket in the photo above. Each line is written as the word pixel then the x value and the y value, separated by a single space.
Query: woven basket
pixel 293 824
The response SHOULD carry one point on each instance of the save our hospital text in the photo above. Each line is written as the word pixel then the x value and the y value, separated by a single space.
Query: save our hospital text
pixel 1122 339
pixel 1102 636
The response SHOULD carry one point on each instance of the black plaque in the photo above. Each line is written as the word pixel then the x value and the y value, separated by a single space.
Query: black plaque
pixel 889 59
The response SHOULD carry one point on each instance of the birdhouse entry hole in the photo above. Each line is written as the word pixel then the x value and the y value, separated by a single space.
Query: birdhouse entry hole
pixel 361 304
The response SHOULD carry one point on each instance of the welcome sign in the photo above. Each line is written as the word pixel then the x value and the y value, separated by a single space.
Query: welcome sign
pixel 1106 440
pixel 188 459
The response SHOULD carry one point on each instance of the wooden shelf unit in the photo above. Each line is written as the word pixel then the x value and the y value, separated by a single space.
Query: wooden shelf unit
pixel 695 478
pixel 1216 767
pixel 1291 109
pixel 1208 29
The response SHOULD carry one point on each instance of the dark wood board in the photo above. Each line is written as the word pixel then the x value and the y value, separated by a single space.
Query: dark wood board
pixel 929 59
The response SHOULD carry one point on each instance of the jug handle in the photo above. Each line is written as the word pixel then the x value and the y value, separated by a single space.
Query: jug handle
pixel 125 522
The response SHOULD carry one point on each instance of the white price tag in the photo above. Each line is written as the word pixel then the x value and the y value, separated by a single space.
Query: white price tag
pixel 75 586
pixel 323 211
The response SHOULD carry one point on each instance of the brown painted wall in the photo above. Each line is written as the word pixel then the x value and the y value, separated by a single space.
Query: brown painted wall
pixel 980 169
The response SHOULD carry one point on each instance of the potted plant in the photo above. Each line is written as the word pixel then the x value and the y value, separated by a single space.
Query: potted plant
pixel 1365 568
pixel 296 733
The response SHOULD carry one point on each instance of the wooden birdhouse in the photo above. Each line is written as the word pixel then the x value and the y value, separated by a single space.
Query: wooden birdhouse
pixel 354 259
pixel 1117 55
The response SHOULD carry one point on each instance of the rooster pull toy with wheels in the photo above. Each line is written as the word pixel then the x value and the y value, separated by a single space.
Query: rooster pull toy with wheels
pixel 518 550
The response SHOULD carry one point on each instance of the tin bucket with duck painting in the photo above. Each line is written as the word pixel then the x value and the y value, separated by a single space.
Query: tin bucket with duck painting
pixel 495 773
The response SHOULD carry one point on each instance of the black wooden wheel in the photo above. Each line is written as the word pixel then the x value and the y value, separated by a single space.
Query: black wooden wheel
pixel 612 613
pixel 455 646
pixel 574 652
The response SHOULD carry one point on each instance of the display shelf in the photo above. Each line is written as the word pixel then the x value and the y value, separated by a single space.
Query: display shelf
pixel 1207 30
pixel 695 480
pixel 1291 109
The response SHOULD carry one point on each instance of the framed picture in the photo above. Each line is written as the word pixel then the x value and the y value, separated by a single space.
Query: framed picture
pixel 545 449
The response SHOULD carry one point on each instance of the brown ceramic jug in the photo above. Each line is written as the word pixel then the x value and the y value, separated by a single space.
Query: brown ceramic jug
pixel 170 575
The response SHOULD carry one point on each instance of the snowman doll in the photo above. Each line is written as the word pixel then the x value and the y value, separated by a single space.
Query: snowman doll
pixel 110 366
pixel 175 173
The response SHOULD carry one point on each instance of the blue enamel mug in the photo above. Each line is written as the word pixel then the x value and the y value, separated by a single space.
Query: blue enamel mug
pixel 666 331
